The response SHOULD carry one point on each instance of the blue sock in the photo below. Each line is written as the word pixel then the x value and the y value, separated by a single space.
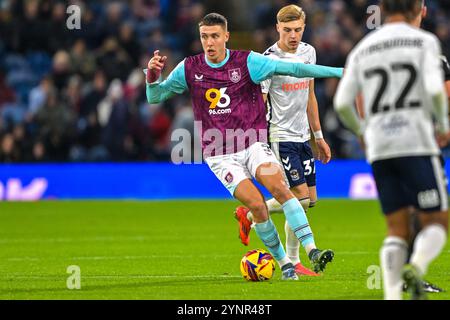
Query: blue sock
pixel 268 234
pixel 297 220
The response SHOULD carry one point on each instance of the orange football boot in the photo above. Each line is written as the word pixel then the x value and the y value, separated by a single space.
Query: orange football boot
pixel 245 225
pixel 301 270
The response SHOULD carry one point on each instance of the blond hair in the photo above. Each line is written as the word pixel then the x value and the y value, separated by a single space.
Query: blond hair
pixel 291 13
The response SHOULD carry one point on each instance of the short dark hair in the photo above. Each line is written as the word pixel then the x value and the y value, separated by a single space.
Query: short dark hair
pixel 410 8
pixel 214 19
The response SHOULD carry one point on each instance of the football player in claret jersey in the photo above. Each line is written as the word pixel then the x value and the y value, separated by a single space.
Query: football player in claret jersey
pixel 398 71
pixel 292 109
pixel 226 97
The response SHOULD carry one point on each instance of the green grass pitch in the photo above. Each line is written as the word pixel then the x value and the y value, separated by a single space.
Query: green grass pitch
pixel 179 250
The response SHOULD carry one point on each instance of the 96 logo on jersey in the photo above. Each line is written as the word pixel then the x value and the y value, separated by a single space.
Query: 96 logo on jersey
pixel 219 101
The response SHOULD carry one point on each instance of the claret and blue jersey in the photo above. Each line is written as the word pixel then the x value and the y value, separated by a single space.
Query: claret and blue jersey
pixel 227 96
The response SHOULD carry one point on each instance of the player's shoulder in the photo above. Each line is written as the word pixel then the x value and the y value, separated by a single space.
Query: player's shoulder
pixel 196 59
pixel 272 50
pixel 426 36
pixel 239 54
pixel 305 48
pixel 232 51
pixel 405 30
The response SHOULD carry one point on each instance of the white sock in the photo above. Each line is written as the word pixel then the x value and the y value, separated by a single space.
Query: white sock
pixel 427 246
pixel 292 244
pixel 272 204
pixel 283 262
pixel 393 255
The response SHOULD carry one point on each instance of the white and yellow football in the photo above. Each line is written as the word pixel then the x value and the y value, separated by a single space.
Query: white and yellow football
pixel 257 265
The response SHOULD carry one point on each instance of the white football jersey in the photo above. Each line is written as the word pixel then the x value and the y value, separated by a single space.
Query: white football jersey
pixel 288 97
pixel 398 70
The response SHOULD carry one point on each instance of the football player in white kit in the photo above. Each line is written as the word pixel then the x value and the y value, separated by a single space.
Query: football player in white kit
pixel 415 223
pixel 292 109
pixel 398 71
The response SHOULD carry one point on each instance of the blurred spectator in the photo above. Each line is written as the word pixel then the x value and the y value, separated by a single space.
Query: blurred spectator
pixel 94 95
pixel 127 41
pixel 113 20
pixel 114 60
pixel 55 122
pixel 88 146
pixel 9 152
pixel 58 36
pixel 82 60
pixel 61 69
pixel 6 93
pixel 159 127
pixel 38 96
pixel 146 16
pixel 38 153
pixel 72 94
pixel 32 31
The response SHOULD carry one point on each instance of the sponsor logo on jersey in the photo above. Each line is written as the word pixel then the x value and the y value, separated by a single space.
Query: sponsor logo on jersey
pixel 394 125
pixel 289 87
pixel 235 75
pixel 219 101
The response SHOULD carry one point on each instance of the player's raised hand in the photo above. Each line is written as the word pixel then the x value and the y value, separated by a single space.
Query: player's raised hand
pixel 443 139
pixel 323 151
pixel 155 67
pixel 362 143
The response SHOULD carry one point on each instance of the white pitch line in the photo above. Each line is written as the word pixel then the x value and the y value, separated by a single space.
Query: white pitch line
pixel 50 277
pixel 176 256
pixel 121 257
pixel 64 240
pixel 101 239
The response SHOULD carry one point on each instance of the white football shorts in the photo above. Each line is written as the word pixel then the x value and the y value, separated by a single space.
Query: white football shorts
pixel 232 169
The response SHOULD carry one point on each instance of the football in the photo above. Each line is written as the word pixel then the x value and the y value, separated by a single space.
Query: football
pixel 257 265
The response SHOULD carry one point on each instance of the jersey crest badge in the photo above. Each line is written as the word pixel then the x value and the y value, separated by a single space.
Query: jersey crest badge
pixel 229 177
pixel 294 175
pixel 235 75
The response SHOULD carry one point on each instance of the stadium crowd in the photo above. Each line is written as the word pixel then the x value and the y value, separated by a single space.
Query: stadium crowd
pixel 79 95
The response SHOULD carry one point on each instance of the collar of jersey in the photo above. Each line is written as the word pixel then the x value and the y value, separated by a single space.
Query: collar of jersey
pixel 220 64
pixel 286 54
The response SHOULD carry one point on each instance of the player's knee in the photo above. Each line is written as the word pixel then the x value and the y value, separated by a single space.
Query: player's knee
pixel 258 209
pixel 281 193
pixel 401 231
pixel 439 218
pixel 305 202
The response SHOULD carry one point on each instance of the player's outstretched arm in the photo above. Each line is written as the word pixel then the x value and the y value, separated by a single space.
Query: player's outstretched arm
pixel 433 80
pixel 262 67
pixel 158 91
